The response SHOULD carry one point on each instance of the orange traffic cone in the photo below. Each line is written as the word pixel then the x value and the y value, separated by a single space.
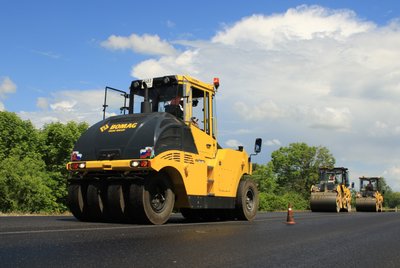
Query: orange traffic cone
pixel 290 219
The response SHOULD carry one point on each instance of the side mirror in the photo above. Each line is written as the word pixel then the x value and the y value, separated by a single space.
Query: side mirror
pixel 257 145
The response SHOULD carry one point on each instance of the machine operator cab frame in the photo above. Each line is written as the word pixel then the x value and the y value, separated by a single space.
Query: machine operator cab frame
pixel 329 178
pixel 189 99
pixel 369 185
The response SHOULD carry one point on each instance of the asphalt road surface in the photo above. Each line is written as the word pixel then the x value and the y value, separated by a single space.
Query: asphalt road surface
pixel 316 240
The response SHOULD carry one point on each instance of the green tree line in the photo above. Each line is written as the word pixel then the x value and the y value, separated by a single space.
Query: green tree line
pixel 33 177
pixel 288 177
pixel 32 164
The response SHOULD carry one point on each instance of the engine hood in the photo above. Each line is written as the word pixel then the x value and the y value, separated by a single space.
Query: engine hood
pixel 134 136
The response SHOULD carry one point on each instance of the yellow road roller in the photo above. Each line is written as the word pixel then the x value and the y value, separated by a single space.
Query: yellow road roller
pixel 160 155
pixel 332 193
pixel 369 198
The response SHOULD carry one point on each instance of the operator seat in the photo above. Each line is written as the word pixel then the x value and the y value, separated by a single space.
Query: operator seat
pixel 174 110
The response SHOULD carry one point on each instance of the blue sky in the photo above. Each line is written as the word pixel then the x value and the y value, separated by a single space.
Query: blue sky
pixel 321 72
pixel 55 45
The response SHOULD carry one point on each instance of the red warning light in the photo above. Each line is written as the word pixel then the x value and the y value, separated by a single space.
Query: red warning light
pixel 77 165
pixel 74 165
pixel 144 163
pixel 216 82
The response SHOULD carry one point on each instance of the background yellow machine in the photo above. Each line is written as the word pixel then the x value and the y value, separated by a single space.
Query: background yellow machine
pixel 369 198
pixel 332 192
pixel 141 165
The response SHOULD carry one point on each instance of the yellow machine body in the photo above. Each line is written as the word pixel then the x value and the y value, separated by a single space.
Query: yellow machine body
pixel 369 198
pixel 332 193
pixel 166 154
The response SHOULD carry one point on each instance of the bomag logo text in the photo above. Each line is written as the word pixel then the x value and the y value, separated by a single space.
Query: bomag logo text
pixel 104 128
pixel 117 127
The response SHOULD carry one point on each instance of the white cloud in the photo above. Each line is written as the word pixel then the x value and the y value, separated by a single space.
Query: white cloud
pixel 325 77
pixel 392 176
pixel 259 111
pixel 233 143
pixel 63 106
pixel 331 118
pixel 182 63
pixel 42 103
pixel 70 105
pixel 7 86
pixel 309 74
pixel 145 44
pixel 273 142
pixel 302 23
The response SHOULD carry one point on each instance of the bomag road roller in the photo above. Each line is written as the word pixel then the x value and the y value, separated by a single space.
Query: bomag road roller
pixel 369 198
pixel 332 192
pixel 160 156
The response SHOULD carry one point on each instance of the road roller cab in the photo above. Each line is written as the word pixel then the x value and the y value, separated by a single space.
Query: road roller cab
pixel 161 153
pixel 332 192
pixel 369 198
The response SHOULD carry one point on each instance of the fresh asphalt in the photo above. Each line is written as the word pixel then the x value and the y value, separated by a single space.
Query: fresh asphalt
pixel 316 240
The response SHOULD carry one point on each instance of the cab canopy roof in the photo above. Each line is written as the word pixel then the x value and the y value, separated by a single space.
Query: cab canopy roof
pixel 171 81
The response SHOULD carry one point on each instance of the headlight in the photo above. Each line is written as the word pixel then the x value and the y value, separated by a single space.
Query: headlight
pixel 134 163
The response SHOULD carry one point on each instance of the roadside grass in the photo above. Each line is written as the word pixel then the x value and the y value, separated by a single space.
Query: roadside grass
pixel 15 214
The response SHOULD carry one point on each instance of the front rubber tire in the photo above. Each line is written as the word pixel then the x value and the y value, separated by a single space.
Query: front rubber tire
pixel 247 200
pixel 158 199
pixel 152 201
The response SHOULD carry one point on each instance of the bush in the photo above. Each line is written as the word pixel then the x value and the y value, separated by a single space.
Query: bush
pixel 392 199
pixel 274 202
pixel 24 186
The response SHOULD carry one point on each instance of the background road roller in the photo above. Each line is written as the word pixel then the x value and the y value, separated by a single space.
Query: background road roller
pixel 161 154
pixel 332 192
pixel 369 197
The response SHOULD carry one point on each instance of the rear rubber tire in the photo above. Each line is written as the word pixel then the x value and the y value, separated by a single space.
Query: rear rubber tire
pixel 116 204
pixel 95 202
pixel 247 200
pixel 76 201
pixel 134 205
